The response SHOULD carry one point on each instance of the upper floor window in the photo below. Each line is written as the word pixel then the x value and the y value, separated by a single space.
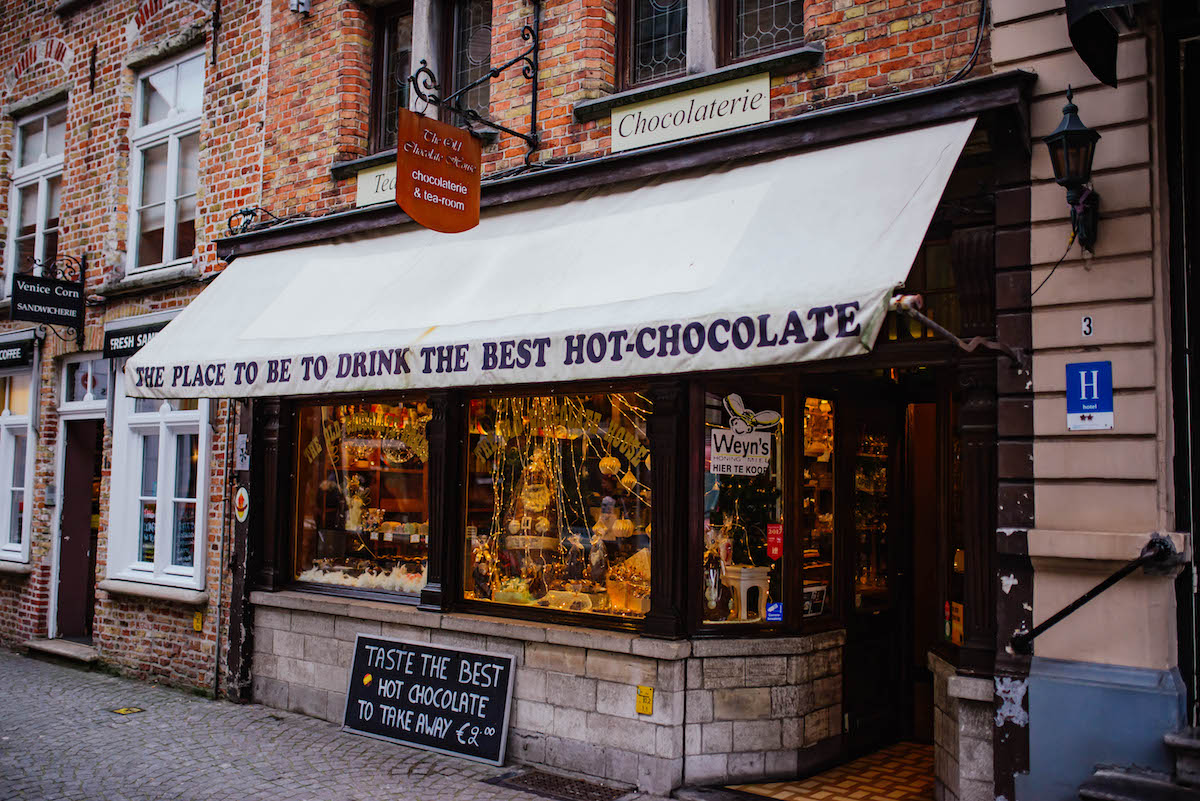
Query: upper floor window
pixel 654 35
pixel 34 207
pixel 393 65
pixel 166 162
pixel 472 32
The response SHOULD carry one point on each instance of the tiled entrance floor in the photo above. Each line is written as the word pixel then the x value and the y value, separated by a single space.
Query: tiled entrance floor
pixel 900 772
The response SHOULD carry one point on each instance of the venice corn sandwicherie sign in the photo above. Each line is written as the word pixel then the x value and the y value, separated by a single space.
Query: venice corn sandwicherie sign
pixel 47 300
pixel 437 173
pixel 706 110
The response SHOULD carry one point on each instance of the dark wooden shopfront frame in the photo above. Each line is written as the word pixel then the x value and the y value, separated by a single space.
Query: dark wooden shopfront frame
pixel 994 399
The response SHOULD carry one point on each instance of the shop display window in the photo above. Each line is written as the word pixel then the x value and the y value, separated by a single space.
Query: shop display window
pixel 872 567
pixel 816 511
pixel 362 496
pixel 558 503
pixel 743 508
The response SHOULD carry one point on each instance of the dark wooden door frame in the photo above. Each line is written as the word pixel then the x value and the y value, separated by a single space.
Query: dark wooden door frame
pixel 81 439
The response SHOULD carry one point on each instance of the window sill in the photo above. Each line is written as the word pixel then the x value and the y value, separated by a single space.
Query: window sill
pixel 348 169
pixel 157 592
pixel 10 568
pixel 168 275
pixel 776 63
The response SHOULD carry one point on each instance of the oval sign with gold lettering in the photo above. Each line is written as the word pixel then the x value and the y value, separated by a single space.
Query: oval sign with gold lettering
pixel 437 173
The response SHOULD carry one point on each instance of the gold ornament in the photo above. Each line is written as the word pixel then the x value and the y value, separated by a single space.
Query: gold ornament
pixel 623 528
pixel 541 525
pixel 609 465
pixel 629 480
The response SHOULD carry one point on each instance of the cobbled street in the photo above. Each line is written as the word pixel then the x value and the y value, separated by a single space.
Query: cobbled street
pixel 60 739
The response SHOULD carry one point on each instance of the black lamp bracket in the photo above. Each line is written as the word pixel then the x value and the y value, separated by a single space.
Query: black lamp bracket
pixel 64 268
pixel 1085 216
pixel 425 85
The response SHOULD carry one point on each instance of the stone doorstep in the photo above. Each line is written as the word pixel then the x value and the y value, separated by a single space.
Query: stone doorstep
pixel 64 649
pixel 1185 745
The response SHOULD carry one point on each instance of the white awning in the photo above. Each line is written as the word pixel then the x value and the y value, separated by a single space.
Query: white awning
pixel 775 261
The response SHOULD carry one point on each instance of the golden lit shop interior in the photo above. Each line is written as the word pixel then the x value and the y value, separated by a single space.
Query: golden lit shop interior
pixel 799 500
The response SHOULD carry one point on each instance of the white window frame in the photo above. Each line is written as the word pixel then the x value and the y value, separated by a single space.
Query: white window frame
pixel 124 527
pixel 39 174
pixel 12 425
pixel 88 402
pixel 143 137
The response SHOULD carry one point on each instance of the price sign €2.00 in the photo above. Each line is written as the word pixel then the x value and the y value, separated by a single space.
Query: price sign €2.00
pixel 437 173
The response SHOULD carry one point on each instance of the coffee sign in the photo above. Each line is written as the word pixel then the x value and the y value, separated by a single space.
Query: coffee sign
pixel 437 173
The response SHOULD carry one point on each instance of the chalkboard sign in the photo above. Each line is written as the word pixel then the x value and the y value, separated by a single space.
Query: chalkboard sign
pixel 455 701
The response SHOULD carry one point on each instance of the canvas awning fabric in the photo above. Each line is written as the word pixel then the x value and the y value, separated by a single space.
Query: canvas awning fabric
pixel 782 260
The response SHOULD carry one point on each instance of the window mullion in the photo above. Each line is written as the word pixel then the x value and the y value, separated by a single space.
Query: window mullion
pixel 170 203
pixel 39 223
pixel 163 523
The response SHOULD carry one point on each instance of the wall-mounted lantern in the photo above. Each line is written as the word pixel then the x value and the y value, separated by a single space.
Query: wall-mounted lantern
pixel 1072 146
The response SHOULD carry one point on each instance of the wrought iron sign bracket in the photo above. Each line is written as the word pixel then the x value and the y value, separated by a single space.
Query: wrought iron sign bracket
pixel 910 306
pixel 65 268
pixel 425 85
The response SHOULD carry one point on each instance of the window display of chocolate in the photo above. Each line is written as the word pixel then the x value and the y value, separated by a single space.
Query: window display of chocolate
pixel 871 569
pixel 816 513
pixel 362 496
pixel 743 507
pixel 558 503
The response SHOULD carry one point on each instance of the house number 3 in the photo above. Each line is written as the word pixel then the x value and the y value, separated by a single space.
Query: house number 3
pixel 1087 326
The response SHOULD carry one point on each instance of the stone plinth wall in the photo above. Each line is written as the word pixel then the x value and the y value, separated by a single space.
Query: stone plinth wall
pixel 963 731
pixel 724 710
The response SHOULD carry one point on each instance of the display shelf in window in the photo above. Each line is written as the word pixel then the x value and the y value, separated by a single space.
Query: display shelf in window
pixel 816 507
pixel 558 503
pixel 362 517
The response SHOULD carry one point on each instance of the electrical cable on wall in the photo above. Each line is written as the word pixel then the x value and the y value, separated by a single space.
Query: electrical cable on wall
pixel 970 65
pixel 1070 242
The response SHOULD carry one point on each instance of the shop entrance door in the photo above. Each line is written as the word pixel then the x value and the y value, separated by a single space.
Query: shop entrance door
pixel 79 527
pixel 877 699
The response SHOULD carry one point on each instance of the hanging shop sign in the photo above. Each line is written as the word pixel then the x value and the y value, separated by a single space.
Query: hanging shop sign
pixel 437 173
pixel 706 110
pixel 454 701
pixel 16 354
pixel 1089 396
pixel 122 342
pixel 47 300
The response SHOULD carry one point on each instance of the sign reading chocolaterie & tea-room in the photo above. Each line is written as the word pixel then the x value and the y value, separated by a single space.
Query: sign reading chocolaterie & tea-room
pixel 437 173
pixel 732 104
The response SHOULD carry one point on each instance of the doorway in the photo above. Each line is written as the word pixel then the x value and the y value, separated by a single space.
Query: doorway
pixel 79 528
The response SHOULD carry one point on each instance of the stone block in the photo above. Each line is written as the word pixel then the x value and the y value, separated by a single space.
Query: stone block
pixel 764 671
pixel 503 645
pixel 746 765
pixel 799 669
pixel 622 766
pixel 622 668
pixel 691 738
pixel 792 732
pixel 324 650
pixel 699 706
pixel 530 684
pixel 269 692
pixel 827 691
pixel 532 715
pixel 668 742
pixel 330 677
pixel 265 665
pixel 289 643
pixel 671 676
pixel 716 738
pixel 565 689
pixel 348 628
pixel 975 759
pixel 724 672
pixel 264 640
pixel 268 618
pixel 527 747
pixel 659 776
pixel 313 623
pixel 972 790
pixel 493 627
pixel 399 631
pixel 828 639
pixel 662 649
pixel 817 727
pixel 705 768
pixel 758 646
pixel 695 674
pixel 976 720
pixel 621 700
pixel 613 642
pixel 790 702
pixel 576 755
pixel 780 764
pixel 336 707
pixel 745 704
pixel 297 671
pixel 624 733
pixel 308 701
pixel 969 688
pixel 458 639
pixel 570 723
pixel 825 663
pixel 558 658
pixel 757 735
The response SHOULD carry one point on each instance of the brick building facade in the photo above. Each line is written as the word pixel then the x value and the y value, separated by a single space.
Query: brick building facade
pixel 294 120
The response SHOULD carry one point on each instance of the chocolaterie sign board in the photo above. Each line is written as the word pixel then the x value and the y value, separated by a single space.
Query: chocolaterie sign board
pixel 455 701
pixel 437 173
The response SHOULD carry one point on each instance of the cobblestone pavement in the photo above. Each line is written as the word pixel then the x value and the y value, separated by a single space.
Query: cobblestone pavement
pixel 59 739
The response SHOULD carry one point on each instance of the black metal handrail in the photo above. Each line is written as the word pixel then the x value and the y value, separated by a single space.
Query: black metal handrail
pixel 1159 550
